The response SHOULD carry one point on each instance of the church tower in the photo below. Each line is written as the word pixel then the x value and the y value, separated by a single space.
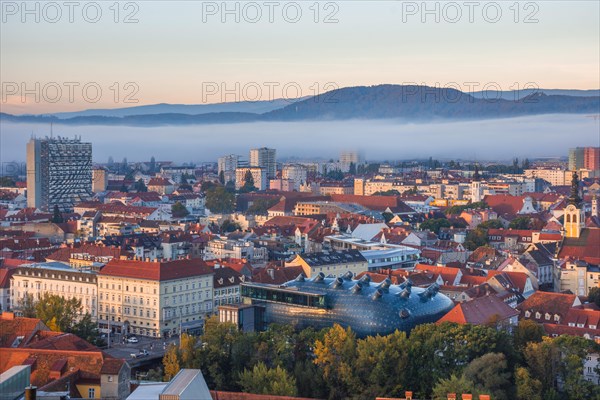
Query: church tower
pixel 574 219
pixel 476 195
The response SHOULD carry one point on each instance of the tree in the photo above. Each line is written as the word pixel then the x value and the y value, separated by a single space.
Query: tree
pixel 527 331
pixel 335 355
pixel 63 313
pixel 489 373
pixel 453 384
pixel 378 358
pixel 57 217
pixel 262 380
pixel 248 183
pixel 7 181
pixel 594 296
pixel 171 363
pixel 140 186
pixel 178 210
pixel 352 169
pixel 215 355
pixel 230 226
pixel 26 305
pixel 520 223
pixel 435 224
pixel 155 375
pixel 86 329
pixel 187 350
pixel 220 201
pixel 260 206
pixel 527 388
pixel 335 174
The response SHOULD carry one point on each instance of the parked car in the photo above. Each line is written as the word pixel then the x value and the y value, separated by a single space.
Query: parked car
pixel 132 339
pixel 142 353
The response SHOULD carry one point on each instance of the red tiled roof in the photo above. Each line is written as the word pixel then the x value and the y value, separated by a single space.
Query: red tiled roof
pixel 586 247
pixel 557 330
pixel 504 203
pixel 64 254
pixel 276 275
pixel 378 203
pixel 158 271
pixel 547 302
pixel 11 328
pixel 479 311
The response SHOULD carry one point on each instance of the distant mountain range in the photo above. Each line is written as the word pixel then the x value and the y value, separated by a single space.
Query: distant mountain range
pixel 408 103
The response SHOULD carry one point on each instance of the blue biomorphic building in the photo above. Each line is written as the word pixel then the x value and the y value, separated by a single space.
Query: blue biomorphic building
pixel 367 308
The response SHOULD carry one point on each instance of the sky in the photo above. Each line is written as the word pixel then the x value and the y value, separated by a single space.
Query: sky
pixel 98 55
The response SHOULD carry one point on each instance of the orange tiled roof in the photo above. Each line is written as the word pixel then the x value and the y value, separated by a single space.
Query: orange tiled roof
pixel 479 311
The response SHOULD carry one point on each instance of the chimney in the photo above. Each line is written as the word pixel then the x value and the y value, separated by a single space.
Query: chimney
pixel 6 315
pixel 30 392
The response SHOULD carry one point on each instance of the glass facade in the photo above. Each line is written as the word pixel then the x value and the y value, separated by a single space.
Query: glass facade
pixel 366 307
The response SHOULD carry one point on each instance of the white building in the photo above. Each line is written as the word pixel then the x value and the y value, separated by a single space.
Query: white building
pixel 295 172
pixel 55 278
pixel 156 299
pixel 228 165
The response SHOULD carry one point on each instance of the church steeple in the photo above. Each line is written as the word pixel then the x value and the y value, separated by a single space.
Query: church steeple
pixel 476 175
pixel 574 198
pixel 574 219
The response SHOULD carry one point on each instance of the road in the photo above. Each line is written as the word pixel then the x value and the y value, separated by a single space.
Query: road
pixel 155 348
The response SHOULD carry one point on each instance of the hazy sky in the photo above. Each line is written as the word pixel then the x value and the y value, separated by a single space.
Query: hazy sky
pixel 182 52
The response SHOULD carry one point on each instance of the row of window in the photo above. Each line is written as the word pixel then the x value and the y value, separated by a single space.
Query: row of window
pixel 221 292
pixel 187 297
pixel 118 287
pixel 229 300
pixel 53 287
pixel 56 276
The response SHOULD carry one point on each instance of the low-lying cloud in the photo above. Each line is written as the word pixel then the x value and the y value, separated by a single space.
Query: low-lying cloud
pixel 494 139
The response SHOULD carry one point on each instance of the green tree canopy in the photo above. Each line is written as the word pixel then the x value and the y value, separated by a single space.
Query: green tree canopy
pixel 220 201
pixel 262 380
pixel 520 223
pixel 140 186
pixel 178 210
pixel 435 224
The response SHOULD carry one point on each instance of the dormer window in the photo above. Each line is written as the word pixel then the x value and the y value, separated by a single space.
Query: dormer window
pixel 556 318
pixel 527 313
pixel 547 317
pixel 538 315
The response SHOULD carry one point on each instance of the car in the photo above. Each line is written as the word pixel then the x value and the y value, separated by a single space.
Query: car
pixel 132 339
pixel 143 352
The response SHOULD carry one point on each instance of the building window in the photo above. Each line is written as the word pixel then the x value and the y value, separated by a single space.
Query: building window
pixel 91 393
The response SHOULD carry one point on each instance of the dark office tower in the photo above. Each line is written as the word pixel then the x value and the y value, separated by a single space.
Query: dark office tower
pixel 59 172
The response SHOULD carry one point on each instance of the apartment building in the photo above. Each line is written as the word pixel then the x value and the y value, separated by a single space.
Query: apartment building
pixel 259 176
pixel 58 279
pixel 264 158
pixel 156 299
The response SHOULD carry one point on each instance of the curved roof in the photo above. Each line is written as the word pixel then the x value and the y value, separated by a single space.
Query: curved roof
pixel 367 308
